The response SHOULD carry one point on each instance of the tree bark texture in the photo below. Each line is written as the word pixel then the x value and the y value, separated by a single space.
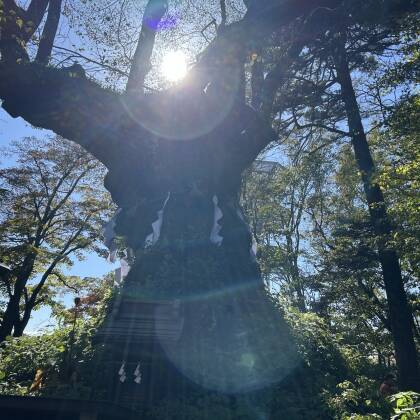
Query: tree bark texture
pixel 399 313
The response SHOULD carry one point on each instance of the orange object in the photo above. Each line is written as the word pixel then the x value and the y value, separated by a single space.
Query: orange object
pixel 37 383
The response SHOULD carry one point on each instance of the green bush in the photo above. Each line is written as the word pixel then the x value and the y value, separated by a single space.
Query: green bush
pixel 406 406
pixel 20 358
pixel 65 359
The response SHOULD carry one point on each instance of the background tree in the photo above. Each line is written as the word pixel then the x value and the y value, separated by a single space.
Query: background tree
pixel 277 198
pixel 325 83
pixel 52 211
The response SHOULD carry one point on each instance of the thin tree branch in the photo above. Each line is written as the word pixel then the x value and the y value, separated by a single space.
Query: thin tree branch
pixel 320 230
pixel 321 146
pixel 319 125
pixel 54 210
pixel 63 253
pixel 62 280
pixel 371 294
pixel 54 192
pixel 223 13
pixel 91 60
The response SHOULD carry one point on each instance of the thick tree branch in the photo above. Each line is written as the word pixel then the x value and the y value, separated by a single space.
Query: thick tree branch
pixel 276 78
pixel 65 102
pixel 223 14
pixel 256 134
pixel 48 34
pixel 153 14
pixel 25 295
pixel 34 14
pixel 257 79
pixel 5 278
pixel 262 18
pixel 222 62
pixel 59 257
pixel 33 17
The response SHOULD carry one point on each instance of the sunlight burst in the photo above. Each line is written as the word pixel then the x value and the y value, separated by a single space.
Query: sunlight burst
pixel 174 66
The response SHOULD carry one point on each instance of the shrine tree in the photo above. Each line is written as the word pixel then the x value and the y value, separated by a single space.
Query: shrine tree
pixel 192 315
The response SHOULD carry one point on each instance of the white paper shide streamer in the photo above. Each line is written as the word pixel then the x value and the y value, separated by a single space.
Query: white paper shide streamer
pixel 156 226
pixel 215 236
pixel 121 373
pixel 122 271
pixel 108 232
pixel 254 248
pixel 137 374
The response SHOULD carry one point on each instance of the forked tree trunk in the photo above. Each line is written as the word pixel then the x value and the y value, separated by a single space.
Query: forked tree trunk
pixel 399 312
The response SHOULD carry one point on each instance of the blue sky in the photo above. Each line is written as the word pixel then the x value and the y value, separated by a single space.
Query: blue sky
pixel 92 266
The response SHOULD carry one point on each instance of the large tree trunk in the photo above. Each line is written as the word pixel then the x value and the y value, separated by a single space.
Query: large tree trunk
pixel 399 312
pixel 193 250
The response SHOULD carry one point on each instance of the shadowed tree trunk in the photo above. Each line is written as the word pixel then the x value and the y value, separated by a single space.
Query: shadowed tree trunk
pixel 11 316
pixel 399 313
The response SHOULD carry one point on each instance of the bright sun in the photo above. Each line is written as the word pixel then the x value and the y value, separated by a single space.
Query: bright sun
pixel 174 66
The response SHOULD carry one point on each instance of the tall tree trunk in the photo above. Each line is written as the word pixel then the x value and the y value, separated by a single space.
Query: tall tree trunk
pixel 297 284
pixel 399 313
pixel 10 317
pixel 20 324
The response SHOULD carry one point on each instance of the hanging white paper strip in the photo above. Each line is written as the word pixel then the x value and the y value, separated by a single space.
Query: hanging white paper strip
pixel 137 374
pixel 156 226
pixel 215 236
pixel 121 373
